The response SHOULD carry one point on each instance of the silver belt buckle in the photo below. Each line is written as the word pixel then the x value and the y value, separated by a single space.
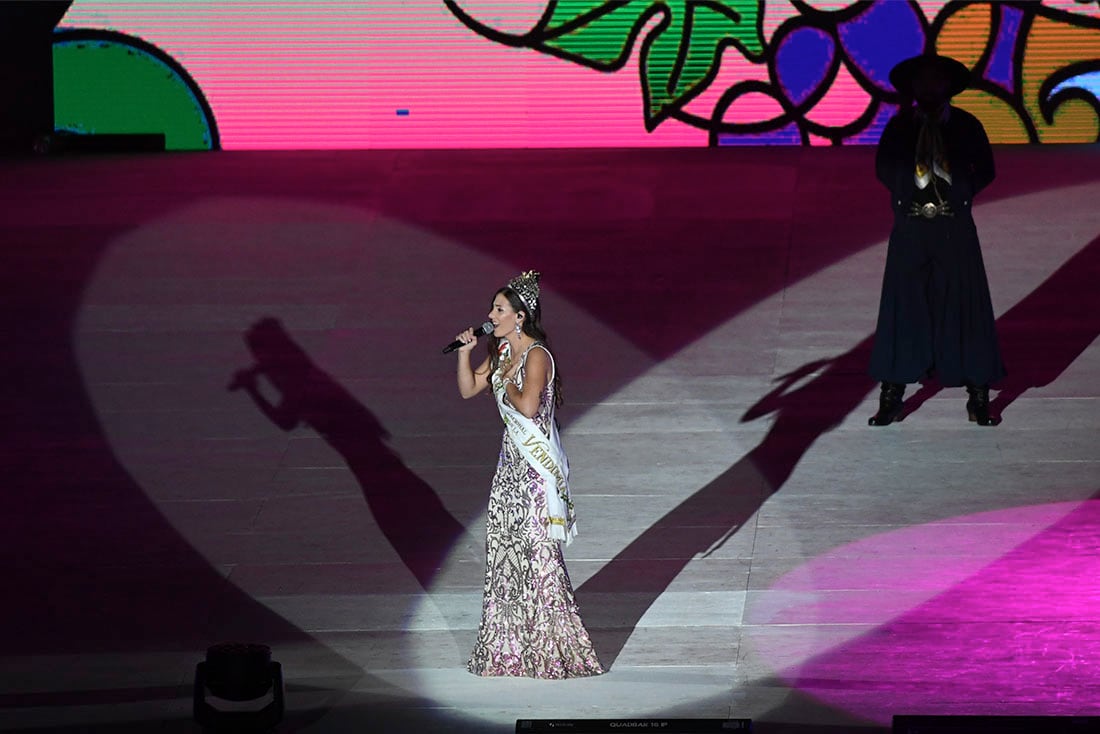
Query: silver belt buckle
pixel 929 210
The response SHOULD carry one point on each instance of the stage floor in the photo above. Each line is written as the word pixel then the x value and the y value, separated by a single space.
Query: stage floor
pixel 749 547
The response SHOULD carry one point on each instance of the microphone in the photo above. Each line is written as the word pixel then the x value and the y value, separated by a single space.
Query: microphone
pixel 482 330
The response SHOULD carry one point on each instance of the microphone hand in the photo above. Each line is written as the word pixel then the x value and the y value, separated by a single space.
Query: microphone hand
pixel 468 339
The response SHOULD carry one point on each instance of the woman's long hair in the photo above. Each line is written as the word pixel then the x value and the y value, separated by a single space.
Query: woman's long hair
pixel 532 327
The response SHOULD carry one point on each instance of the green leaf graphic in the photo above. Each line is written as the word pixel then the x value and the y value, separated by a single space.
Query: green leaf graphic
pixel 680 56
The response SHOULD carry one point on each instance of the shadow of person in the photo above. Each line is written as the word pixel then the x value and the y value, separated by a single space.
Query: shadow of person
pixel 1043 334
pixel 806 404
pixel 1049 329
pixel 408 511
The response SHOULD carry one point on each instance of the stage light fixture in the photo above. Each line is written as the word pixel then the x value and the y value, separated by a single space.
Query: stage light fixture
pixel 238 688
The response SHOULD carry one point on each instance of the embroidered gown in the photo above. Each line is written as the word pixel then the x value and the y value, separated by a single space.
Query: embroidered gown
pixel 530 624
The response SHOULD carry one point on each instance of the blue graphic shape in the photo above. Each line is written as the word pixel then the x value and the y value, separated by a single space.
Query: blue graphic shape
pixel 1089 82
pixel 878 38
pixel 1001 70
pixel 802 61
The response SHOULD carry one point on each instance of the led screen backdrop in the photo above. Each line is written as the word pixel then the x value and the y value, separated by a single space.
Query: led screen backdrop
pixel 516 73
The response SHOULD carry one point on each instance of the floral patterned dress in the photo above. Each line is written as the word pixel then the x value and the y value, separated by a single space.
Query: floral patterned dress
pixel 530 624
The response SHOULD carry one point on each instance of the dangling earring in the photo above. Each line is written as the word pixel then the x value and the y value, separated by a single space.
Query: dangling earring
pixel 519 328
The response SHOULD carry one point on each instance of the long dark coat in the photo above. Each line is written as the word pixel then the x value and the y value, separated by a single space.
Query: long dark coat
pixel 935 314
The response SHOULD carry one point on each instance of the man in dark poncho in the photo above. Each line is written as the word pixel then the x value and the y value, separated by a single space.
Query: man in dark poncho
pixel 935 316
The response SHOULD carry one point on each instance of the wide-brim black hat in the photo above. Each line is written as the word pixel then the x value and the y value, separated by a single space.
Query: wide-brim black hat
pixel 903 74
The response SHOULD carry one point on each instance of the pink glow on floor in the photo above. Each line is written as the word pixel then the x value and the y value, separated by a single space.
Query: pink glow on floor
pixel 959 608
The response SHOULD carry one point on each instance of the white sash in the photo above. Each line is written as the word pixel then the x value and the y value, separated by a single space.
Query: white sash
pixel 544 454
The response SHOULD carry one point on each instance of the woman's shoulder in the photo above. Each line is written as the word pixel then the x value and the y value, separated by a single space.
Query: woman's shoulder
pixel 538 352
pixel 539 358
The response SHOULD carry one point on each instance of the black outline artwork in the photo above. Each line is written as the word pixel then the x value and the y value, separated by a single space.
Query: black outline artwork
pixel 97 35
pixel 541 38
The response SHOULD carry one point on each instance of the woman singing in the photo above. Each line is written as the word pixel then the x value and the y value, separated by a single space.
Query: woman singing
pixel 530 625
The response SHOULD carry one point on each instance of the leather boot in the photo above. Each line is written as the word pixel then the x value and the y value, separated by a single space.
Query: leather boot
pixel 889 404
pixel 977 405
